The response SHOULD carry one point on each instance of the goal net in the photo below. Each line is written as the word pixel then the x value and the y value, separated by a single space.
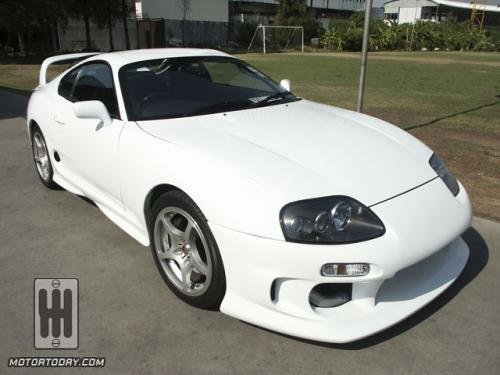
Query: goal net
pixel 277 39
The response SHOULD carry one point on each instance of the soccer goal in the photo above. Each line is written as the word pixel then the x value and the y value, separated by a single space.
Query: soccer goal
pixel 277 39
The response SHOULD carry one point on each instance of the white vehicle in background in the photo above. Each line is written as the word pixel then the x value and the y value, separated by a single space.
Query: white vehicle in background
pixel 302 218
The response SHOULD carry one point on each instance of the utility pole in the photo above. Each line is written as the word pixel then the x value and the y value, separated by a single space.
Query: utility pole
pixel 364 55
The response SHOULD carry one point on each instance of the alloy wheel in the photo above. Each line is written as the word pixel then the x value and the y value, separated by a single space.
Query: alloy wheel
pixel 182 251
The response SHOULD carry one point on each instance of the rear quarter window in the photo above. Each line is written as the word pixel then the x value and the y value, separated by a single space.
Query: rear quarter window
pixel 66 84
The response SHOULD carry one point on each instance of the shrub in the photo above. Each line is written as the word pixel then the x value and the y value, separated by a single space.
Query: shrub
pixel 244 33
pixel 448 35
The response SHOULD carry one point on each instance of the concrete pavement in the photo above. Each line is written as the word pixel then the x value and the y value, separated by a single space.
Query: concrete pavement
pixel 129 316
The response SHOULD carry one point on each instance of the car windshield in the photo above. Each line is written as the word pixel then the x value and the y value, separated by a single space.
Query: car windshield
pixel 191 86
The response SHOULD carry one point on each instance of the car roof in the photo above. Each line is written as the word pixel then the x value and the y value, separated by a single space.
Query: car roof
pixel 118 59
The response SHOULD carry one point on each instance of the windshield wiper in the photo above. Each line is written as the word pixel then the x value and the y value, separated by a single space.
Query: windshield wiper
pixel 221 107
pixel 277 96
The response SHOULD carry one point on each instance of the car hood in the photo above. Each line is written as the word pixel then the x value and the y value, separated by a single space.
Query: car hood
pixel 304 150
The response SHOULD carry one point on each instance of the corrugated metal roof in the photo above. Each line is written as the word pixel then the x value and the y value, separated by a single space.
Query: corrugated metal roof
pixel 489 5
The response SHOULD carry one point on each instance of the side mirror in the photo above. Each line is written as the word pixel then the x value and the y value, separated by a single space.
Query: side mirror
pixel 92 109
pixel 286 84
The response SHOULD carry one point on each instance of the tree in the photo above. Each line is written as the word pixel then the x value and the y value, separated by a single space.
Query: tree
pixel 288 10
pixel 34 21
pixel 52 14
pixel 83 10
pixel 106 15
pixel 125 8
pixel 185 6
pixel 294 13
pixel 13 17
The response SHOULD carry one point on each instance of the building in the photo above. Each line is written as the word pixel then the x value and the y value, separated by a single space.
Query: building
pixel 264 11
pixel 180 22
pixel 410 11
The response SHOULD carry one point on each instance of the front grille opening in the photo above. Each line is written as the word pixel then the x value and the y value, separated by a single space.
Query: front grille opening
pixel 330 295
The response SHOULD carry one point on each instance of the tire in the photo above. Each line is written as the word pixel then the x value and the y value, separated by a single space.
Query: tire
pixel 41 157
pixel 185 251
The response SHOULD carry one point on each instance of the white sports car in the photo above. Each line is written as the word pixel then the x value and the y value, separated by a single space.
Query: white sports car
pixel 299 217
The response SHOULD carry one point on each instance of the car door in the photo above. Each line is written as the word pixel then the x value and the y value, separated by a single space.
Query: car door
pixel 89 150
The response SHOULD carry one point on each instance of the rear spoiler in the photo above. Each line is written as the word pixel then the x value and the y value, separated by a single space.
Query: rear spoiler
pixel 54 59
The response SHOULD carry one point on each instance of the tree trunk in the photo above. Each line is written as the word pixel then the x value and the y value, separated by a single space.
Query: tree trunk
pixel 21 42
pixel 87 31
pixel 52 26
pixel 110 28
pixel 125 26
pixel 57 42
pixel 49 35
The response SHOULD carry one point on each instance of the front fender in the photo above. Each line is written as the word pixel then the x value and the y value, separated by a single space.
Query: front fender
pixel 227 196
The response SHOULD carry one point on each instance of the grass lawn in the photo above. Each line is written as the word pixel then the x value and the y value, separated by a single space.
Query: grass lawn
pixel 449 100
pixel 23 78
pixel 434 57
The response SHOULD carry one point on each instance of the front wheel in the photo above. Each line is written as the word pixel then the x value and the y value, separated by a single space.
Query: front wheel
pixel 185 251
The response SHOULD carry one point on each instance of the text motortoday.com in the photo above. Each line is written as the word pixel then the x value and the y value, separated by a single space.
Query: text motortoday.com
pixel 57 362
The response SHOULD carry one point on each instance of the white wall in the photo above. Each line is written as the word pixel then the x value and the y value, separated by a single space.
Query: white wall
pixel 201 10
pixel 409 10
pixel 409 15
pixel 393 6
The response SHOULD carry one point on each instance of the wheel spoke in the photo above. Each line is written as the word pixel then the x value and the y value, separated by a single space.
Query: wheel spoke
pixel 166 254
pixel 187 232
pixel 175 234
pixel 186 269
pixel 165 242
pixel 38 142
pixel 197 263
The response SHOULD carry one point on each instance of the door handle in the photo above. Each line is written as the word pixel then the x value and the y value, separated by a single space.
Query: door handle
pixel 59 120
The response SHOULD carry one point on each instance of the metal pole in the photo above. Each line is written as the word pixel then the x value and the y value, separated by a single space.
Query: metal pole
pixel 302 29
pixel 253 37
pixel 264 38
pixel 364 55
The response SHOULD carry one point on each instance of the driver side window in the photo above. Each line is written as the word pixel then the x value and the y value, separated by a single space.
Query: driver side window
pixel 95 82
pixel 91 82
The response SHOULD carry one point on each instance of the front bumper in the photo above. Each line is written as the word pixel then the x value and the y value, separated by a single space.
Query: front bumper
pixel 419 256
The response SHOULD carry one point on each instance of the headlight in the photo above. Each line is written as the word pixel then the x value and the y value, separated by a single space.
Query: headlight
pixel 329 220
pixel 442 170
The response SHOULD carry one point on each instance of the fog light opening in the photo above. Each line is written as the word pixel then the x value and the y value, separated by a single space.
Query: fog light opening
pixel 345 269
pixel 330 295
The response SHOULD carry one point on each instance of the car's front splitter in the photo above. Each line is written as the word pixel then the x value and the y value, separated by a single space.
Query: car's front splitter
pixel 269 281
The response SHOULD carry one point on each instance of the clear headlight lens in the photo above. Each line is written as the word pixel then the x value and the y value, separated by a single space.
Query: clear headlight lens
pixel 329 220
pixel 442 170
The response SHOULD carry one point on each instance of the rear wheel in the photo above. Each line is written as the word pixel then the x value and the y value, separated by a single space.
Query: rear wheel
pixel 185 251
pixel 41 157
